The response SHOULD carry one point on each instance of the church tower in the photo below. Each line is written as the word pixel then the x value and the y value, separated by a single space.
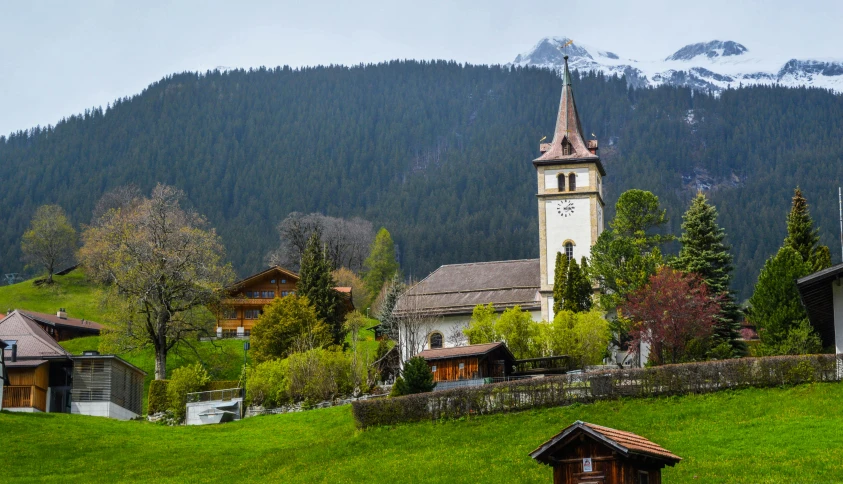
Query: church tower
pixel 570 193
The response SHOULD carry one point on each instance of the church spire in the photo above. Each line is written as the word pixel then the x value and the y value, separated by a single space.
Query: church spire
pixel 568 141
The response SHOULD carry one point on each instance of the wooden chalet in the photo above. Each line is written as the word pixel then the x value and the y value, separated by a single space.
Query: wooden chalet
pixel 477 363
pixel 41 375
pixel 61 327
pixel 588 453
pixel 247 298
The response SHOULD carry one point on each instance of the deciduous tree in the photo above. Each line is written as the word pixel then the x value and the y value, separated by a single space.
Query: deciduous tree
pixel 163 267
pixel 288 324
pixel 380 265
pixel 50 240
pixel 671 313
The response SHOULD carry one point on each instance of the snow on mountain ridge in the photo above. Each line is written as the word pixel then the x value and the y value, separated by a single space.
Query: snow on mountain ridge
pixel 714 65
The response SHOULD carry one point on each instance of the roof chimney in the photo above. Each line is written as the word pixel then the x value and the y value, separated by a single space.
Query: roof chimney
pixel 62 314
pixel 14 352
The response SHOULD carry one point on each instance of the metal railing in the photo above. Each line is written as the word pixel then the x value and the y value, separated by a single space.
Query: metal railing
pixel 213 395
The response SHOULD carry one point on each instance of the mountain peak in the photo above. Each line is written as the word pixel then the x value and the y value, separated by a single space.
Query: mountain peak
pixel 712 50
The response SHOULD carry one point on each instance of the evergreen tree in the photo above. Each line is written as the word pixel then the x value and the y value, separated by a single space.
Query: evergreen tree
pixel 577 288
pixel 416 378
pixel 803 237
pixel 560 276
pixel 316 282
pixel 389 325
pixel 381 265
pixel 705 253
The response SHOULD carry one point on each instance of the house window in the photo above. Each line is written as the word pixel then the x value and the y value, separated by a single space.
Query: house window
pixel 436 340
pixel 643 477
pixel 569 250
pixel 251 313
pixel 462 366
pixel 283 281
pixel 230 314
pixel 572 182
pixel 433 369
pixel 272 281
pixel 268 294
pixel 560 182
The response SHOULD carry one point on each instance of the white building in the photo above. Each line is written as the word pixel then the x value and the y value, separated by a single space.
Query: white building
pixel 570 203
pixel 822 296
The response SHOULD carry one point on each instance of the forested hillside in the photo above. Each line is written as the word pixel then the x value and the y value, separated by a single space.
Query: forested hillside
pixel 440 153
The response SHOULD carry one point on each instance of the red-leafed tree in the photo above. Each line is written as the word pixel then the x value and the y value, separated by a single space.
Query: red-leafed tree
pixel 671 312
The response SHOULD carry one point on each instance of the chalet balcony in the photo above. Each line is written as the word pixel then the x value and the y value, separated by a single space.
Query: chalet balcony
pixel 246 301
pixel 24 397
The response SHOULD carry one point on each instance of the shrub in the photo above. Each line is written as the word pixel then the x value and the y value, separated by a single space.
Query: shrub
pixel 319 374
pixel 267 383
pixel 559 390
pixel 187 379
pixel 287 323
pixel 157 399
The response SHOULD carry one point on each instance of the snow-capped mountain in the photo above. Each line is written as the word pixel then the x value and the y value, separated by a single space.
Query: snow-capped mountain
pixel 714 65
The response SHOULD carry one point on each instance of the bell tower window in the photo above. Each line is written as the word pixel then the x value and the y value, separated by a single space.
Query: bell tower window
pixel 560 182
pixel 567 149
pixel 569 250
pixel 572 182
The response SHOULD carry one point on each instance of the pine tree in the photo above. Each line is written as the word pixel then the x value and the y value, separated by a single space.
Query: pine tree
pixel 381 265
pixel 317 283
pixel 560 276
pixel 704 253
pixel 803 237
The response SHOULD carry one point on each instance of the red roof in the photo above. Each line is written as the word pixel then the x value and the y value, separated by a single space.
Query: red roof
pixel 624 442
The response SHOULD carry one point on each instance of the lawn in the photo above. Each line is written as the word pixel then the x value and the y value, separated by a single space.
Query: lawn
pixel 73 292
pixel 759 436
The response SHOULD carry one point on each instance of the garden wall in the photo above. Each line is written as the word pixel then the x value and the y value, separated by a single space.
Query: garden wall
pixel 561 390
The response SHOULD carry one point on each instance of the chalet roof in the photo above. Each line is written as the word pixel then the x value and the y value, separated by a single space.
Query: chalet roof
pixel 53 320
pixel 259 275
pixel 625 443
pixel 33 343
pixel 816 295
pixel 458 288
pixel 463 351
pixel 568 128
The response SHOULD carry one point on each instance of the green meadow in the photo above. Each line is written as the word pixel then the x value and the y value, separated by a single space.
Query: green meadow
pixel 780 435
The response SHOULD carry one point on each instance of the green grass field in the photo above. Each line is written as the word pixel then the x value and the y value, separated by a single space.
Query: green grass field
pixel 753 436
pixel 73 292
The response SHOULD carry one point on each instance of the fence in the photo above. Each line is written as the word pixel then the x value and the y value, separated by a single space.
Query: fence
pixel 213 395
pixel 602 385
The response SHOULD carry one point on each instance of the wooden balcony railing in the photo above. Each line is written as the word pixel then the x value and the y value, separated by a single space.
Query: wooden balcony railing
pixel 23 397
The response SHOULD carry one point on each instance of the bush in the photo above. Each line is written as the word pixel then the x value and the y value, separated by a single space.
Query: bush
pixel 320 374
pixel 157 400
pixel 187 379
pixel 267 384
pixel 417 378
pixel 559 390
pixel 287 323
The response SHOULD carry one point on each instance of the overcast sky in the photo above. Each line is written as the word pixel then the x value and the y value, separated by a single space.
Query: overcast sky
pixel 59 58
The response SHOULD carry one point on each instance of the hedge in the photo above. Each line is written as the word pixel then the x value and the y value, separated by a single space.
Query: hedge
pixel 552 391
pixel 157 400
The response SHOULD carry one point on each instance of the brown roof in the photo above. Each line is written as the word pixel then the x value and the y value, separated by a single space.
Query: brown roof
pixel 54 320
pixel 569 129
pixel 458 288
pixel 626 443
pixel 263 273
pixel 462 351
pixel 33 343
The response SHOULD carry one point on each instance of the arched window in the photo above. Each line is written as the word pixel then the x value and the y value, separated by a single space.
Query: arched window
pixel 435 340
pixel 560 182
pixel 572 182
pixel 569 250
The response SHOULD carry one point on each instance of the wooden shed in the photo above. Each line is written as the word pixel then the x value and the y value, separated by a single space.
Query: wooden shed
pixel 587 453
pixel 472 362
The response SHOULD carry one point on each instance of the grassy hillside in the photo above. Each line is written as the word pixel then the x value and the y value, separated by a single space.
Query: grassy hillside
pixel 73 292
pixel 758 436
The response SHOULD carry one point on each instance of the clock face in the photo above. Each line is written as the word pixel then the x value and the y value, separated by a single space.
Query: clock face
pixel 565 208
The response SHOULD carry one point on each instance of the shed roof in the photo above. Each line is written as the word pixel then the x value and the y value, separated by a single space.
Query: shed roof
pixel 33 343
pixel 463 351
pixel 109 357
pixel 625 443
pixel 816 295
pixel 54 320
pixel 458 288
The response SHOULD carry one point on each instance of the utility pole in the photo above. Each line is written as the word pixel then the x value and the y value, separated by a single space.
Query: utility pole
pixel 840 203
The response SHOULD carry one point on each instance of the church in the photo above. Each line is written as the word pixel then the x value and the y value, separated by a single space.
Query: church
pixel 570 203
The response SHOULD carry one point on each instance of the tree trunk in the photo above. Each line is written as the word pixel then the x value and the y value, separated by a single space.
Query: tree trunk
pixel 161 364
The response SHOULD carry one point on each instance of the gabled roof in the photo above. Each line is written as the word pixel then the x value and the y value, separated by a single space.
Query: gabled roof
pixel 33 343
pixel 458 288
pixel 269 270
pixel 463 351
pixel 625 443
pixel 568 128
pixel 817 297
pixel 53 320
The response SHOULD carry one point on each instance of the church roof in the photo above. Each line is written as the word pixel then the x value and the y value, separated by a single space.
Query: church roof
pixel 458 288
pixel 568 128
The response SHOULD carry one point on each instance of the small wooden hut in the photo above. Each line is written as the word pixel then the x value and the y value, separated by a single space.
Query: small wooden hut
pixel 473 362
pixel 587 453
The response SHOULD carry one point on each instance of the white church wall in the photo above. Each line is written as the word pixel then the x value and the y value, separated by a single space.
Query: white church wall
pixel 837 302
pixel 551 181
pixel 575 227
